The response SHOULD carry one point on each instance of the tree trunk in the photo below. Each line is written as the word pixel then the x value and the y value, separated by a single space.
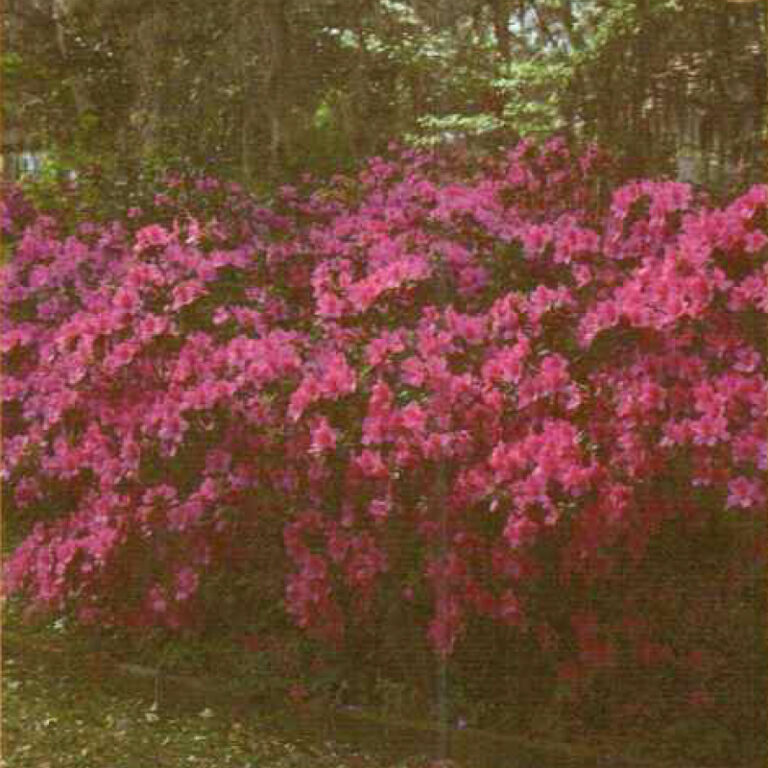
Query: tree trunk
pixel 360 97
pixel 242 24
pixel 83 103
pixel 147 53
pixel 500 10
pixel 576 91
pixel 277 83
pixel 639 137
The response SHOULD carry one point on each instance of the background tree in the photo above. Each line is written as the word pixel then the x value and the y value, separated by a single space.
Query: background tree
pixel 267 90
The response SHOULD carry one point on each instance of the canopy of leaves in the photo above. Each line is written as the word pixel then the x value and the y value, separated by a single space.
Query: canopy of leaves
pixel 265 91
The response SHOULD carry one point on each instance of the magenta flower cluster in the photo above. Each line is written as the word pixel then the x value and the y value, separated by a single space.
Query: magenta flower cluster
pixel 401 381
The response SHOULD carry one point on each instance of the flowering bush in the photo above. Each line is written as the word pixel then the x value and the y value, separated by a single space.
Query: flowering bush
pixel 447 392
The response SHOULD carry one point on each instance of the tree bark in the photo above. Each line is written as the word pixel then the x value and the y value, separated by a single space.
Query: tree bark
pixel 277 82
pixel 241 23
pixel 501 12
pixel 146 62
pixel 62 9
pixel 639 133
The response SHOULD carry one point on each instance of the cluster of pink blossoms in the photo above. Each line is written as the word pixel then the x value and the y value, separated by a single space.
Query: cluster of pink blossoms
pixel 455 357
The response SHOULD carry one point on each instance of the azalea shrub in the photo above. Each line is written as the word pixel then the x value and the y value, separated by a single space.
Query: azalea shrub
pixel 452 405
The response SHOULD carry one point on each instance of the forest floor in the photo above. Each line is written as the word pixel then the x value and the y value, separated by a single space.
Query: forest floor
pixel 57 714
pixel 63 707
pixel 59 711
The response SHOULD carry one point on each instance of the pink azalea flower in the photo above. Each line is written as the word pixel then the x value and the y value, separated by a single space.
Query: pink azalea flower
pixel 186 293
pixel 380 509
pixel 745 493
pixel 700 699
pixel 152 236
pixel 323 437
pixel 371 464
pixel 413 418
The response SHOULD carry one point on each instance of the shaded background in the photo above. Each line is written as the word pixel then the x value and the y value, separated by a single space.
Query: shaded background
pixel 262 90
